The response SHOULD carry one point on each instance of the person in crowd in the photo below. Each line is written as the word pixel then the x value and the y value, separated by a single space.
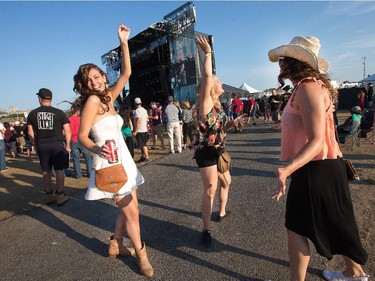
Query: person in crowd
pixel 157 126
pixel 3 164
pixel 228 108
pixel 361 97
pixel 127 129
pixel 255 112
pixel 49 132
pixel 99 117
pixel 237 109
pixel 177 103
pixel 140 130
pixel 237 106
pixel 370 94
pixel 318 198
pixel 10 137
pixel 28 146
pixel 76 148
pixel 274 101
pixel 367 120
pixel 20 138
pixel 266 108
pixel 249 109
pixel 212 124
pixel 188 123
pixel 171 113
pixel 284 98
pixel 353 120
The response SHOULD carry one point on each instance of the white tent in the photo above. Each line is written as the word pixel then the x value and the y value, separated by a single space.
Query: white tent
pixel 246 87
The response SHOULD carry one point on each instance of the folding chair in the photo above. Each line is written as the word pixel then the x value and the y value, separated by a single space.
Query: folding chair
pixel 367 128
pixel 368 135
pixel 352 138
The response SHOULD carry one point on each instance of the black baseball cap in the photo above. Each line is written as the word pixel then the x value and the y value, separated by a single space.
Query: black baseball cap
pixel 44 94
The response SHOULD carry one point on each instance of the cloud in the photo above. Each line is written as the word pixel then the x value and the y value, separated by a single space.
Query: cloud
pixel 349 8
pixel 364 42
pixel 344 57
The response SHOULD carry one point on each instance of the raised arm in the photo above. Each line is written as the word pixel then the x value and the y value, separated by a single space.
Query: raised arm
pixel 205 100
pixel 123 35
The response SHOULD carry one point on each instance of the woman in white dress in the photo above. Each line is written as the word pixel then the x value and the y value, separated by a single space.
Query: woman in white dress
pixel 99 118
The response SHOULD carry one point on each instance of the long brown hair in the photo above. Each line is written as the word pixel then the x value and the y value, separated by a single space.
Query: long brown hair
pixel 80 87
pixel 297 70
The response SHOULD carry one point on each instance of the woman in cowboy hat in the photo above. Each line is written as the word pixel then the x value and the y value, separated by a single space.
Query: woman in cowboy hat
pixel 318 201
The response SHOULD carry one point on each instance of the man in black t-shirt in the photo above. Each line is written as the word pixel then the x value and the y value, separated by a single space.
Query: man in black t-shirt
pixel 49 132
pixel 274 101
pixel 284 98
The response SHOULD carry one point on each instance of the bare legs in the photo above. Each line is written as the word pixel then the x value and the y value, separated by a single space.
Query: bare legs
pixel 145 152
pixel 128 220
pixel 210 178
pixel 299 256
pixel 47 181
pixel 224 180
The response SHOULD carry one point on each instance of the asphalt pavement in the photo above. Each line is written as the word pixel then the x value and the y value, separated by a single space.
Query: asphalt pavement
pixel 71 242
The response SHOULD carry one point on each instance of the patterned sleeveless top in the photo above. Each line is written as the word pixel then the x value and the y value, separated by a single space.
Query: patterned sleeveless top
pixel 211 129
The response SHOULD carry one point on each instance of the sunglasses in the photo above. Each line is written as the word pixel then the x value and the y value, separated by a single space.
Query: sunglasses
pixel 281 59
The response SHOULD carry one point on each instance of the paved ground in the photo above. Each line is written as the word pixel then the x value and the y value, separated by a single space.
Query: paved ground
pixel 70 242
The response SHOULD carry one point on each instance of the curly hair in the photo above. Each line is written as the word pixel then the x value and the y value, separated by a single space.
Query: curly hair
pixel 297 70
pixel 80 87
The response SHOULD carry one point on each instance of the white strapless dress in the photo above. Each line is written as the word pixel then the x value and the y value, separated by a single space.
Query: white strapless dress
pixel 110 128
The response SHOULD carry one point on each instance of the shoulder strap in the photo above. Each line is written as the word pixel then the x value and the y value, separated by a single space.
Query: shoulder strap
pixel 299 84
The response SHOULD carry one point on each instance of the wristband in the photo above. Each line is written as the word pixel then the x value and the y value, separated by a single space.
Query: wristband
pixel 208 54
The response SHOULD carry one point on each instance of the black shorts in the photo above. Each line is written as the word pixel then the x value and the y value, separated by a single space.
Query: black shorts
pixel 206 157
pixel 142 139
pixel 53 154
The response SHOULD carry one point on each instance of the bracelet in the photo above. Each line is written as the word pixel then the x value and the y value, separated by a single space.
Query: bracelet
pixel 208 54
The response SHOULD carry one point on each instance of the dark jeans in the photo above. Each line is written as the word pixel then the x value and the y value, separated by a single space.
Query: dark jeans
pixel 2 155
pixel 130 144
pixel 188 131
pixel 76 150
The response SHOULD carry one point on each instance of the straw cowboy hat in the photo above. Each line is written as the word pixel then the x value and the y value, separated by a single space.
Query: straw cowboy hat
pixel 304 49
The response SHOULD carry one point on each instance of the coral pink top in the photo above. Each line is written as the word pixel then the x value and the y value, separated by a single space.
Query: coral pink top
pixel 293 136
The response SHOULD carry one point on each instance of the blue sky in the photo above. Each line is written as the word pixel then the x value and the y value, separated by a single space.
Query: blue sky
pixel 43 43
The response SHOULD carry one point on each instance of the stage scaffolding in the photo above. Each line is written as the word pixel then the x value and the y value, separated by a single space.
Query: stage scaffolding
pixel 164 58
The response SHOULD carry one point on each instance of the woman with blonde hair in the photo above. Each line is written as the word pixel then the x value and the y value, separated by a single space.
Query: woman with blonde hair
pixel 100 120
pixel 212 123
pixel 318 206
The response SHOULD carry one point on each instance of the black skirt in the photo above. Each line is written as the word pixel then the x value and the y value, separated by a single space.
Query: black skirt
pixel 319 207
